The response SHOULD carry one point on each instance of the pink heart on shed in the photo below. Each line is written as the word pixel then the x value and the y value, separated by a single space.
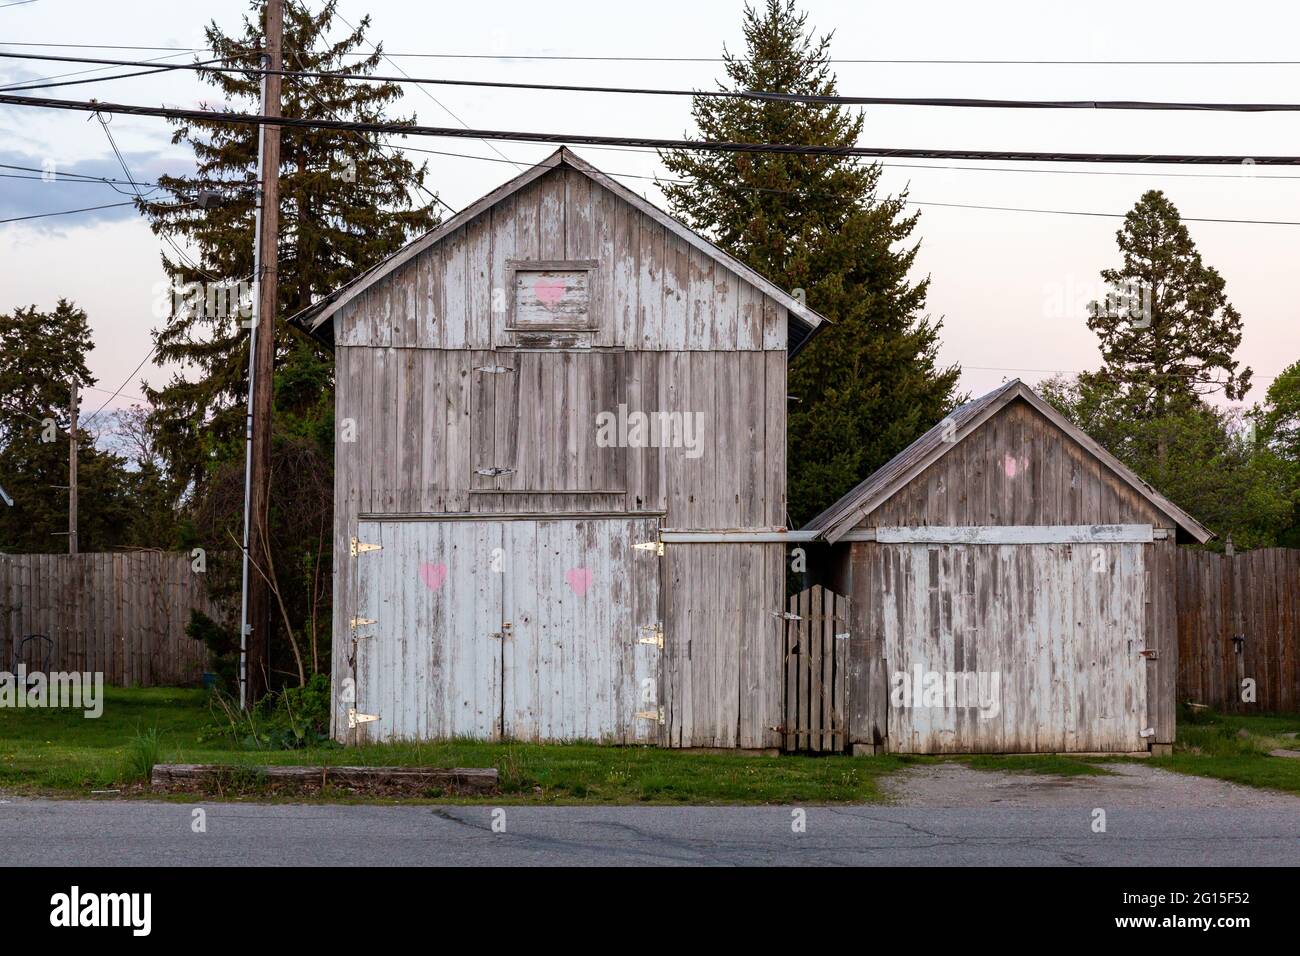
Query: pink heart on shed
pixel 579 579
pixel 1009 466
pixel 433 575
pixel 549 292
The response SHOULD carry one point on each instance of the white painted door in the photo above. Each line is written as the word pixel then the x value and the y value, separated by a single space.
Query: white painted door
pixel 431 665
pixel 581 647
pixel 531 629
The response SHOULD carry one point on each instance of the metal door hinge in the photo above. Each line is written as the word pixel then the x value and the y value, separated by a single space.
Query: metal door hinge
pixel 1149 732
pixel 652 634
pixel 362 622
pixel 493 369
pixel 361 547
pixel 786 615
pixel 656 546
pixel 1150 654
pixel 356 717
pixel 655 715
pixel 493 472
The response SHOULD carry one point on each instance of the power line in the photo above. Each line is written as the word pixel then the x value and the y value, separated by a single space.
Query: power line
pixel 434 196
pixel 716 59
pixel 805 98
pixel 100 69
pixel 66 212
pixel 442 105
pixel 123 385
pixel 104 79
pixel 73 177
pixel 652 142
pixel 17 3
pixel 1104 215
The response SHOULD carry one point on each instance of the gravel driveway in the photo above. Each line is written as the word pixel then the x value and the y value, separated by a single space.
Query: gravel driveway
pixel 1128 786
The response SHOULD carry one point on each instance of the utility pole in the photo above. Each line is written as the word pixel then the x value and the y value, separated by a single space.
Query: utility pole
pixel 72 472
pixel 255 616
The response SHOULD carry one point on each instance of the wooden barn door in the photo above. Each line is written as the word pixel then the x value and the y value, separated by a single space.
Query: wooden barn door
pixel 536 629
pixel 1062 626
pixel 582 631
pixel 428 650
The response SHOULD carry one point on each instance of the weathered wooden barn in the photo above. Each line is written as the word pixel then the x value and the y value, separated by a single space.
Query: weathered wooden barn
pixel 531 399
pixel 1011 589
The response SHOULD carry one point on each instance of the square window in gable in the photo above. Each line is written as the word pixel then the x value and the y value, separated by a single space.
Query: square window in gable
pixel 551 296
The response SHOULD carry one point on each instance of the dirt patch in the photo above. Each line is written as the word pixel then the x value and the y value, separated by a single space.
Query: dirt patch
pixel 1127 785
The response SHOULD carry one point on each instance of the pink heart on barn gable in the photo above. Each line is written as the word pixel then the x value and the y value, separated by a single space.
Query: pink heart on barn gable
pixel 549 292
pixel 433 575
pixel 578 579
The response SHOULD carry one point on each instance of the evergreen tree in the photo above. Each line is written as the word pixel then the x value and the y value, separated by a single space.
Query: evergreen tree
pixel 41 354
pixel 1278 433
pixel 1168 332
pixel 869 384
pixel 345 204
pixel 1204 459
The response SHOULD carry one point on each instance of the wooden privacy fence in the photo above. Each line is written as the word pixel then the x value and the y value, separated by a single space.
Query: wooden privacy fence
pixel 1238 618
pixel 122 614
pixel 816 660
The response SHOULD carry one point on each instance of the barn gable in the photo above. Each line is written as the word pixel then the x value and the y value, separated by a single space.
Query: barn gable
pixel 611 269
pixel 1006 458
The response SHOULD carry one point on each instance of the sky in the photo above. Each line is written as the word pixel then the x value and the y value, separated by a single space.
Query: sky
pixel 1010 287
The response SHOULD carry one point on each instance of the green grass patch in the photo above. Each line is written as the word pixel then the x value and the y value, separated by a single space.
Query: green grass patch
pixel 61 752
pixel 1236 748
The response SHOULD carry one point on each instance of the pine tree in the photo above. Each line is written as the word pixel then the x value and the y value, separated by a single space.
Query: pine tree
pixel 868 385
pixel 345 203
pixel 1167 332
pixel 41 354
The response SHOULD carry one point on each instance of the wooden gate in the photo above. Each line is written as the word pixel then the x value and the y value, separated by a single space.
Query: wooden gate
pixel 816 661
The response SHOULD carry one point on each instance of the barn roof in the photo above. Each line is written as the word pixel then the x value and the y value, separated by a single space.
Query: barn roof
pixel 804 321
pixel 833 523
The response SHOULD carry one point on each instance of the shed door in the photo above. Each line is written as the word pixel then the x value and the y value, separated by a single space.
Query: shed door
pixel 1061 626
pixel 581 649
pixel 430 666
pixel 518 628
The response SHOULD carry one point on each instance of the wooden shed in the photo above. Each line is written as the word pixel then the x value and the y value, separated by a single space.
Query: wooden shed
pixel 532 399
pixel 1011 590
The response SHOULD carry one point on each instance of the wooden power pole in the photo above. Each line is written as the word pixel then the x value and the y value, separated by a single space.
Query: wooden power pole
pixel 72 472
pixel 257 596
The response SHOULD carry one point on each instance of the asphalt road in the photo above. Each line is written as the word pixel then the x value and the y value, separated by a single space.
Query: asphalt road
pixel 119 832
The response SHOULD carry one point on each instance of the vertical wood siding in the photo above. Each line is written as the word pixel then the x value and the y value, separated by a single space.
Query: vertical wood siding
pixel 1255 595
pixel 121 614
pixel 439 429
pixel 1036 612
pixel 1017 469
pixel 1063 638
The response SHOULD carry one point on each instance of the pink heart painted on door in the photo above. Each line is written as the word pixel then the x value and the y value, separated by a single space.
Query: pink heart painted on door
pixel 433 575
pixel 578 579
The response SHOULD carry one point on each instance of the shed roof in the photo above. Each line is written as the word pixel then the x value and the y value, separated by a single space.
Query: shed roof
pixel 804 321
pixel 839 518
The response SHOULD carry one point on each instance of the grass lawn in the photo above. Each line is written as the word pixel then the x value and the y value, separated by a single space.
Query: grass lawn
pixel 60 752
pixel 1229 747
